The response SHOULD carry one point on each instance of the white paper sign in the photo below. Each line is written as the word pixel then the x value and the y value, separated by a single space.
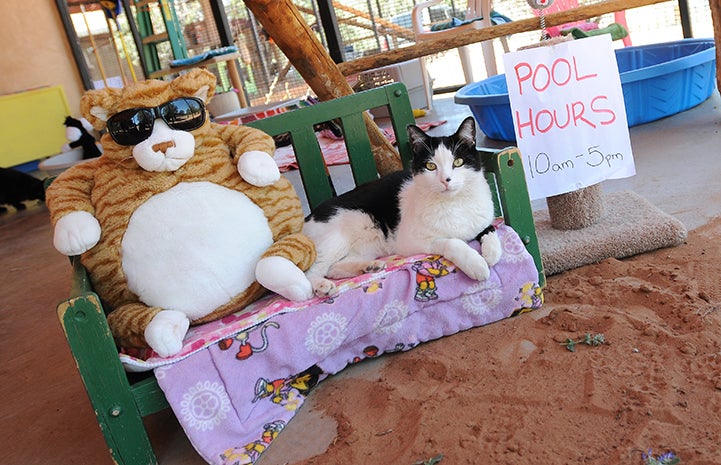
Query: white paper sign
pixel 569 116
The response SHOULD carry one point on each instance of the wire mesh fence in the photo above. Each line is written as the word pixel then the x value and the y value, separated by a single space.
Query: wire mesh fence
pixel 365 27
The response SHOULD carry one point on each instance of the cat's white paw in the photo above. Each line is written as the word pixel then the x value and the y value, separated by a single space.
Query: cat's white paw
pixel 374 266
pixel 491 249
pixel 475 267
pixel 350 268
pixel 465 258
pixel 258 168
pixel 76 233
pixel 165 332
pixel 280 275
pixel 323 287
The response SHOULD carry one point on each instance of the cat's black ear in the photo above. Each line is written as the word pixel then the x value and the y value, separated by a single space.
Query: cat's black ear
pixel 416 136
pixel 467 131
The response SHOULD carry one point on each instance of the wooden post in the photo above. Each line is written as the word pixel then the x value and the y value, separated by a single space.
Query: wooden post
pixel 716 18
pixel 283 22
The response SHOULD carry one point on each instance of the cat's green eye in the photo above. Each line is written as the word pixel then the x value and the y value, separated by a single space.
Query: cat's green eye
pixel 458 162
pixel 430 166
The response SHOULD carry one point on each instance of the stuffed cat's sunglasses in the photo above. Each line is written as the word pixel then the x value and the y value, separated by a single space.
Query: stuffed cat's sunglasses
pixel 132 126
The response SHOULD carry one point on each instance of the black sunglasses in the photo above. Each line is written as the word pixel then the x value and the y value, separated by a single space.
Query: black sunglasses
pixel 132 126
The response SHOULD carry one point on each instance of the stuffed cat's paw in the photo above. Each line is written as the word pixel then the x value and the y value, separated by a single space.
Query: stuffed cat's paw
pixel 165 332
pixel 76 233
pixel 491 249
pixel 280 275
pixel 258 168
pixel 323 287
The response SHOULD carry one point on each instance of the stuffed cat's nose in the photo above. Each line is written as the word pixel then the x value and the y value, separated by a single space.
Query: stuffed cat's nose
pixel 163 146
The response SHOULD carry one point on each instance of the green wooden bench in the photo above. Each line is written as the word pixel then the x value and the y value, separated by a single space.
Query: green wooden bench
pixel 121 399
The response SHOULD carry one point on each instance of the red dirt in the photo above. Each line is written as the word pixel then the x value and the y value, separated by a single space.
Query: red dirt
pixel 511 393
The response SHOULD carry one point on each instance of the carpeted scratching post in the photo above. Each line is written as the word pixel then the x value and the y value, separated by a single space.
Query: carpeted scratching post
pixel 576 210
pixel 630 225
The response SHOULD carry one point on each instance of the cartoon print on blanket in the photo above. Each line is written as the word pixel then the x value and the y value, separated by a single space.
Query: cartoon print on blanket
pixel 239 381
pixel 427 270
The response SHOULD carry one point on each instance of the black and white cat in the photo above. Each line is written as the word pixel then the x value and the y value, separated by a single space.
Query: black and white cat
pixel 436 207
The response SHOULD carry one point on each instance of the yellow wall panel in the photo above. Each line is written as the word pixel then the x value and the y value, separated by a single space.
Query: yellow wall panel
pixel 31 125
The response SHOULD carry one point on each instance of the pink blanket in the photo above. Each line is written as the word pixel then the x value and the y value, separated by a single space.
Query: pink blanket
pixel 239 380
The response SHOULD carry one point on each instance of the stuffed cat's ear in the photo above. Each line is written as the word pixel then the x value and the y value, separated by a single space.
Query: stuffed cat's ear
pixel 416 136
pixel 197 82
pixel 467 131
pixel 97 104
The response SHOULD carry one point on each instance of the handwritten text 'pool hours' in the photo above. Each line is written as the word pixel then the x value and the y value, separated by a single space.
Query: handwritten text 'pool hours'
pixel 542 164
pixel 590 112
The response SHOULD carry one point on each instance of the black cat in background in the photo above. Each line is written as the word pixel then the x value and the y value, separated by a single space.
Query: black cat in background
pixel 16 187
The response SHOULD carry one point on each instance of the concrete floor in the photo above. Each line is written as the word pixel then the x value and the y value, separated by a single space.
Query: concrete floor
pixel 46 417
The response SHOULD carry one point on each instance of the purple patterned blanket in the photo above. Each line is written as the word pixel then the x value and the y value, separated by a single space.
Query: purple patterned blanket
pixel 238 381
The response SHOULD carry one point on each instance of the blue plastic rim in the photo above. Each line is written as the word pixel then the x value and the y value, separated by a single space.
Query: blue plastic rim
pixel 657 81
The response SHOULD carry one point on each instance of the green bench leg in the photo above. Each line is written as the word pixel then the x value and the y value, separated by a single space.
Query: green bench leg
pixel 105 380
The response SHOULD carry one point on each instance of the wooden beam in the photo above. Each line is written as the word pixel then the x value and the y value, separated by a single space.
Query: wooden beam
pixel 284 23
pixel 383 26
pixel 392 28
pixel 431 47
pixel 349 21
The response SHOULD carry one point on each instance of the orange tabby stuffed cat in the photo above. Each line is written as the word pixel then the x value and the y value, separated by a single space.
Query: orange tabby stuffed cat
pixel 181 220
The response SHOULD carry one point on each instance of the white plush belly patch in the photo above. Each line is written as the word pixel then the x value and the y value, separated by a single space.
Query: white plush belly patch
pixel 194 247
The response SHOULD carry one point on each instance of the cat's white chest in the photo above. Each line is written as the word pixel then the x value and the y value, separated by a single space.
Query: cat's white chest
pixel 426 217
pixel 194 247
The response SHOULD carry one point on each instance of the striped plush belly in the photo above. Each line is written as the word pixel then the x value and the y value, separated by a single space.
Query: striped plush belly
pixel 194 247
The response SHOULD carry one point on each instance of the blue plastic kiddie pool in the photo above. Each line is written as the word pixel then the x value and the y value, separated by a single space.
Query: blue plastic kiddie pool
pixel 657 80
